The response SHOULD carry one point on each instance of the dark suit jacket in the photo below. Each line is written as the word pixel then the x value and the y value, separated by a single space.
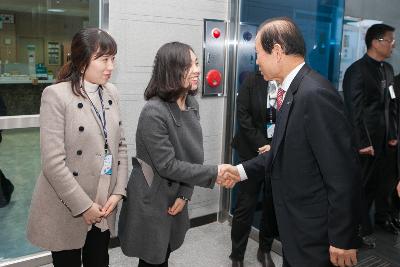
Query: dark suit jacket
pixel 369 106
pixel 396 81
pixel 314 172
pixel 251 116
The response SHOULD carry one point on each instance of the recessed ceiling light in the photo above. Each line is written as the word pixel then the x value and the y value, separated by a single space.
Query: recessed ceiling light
pixel 55 10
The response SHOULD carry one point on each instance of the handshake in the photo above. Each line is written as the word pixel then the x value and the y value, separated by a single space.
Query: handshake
pixel 228 175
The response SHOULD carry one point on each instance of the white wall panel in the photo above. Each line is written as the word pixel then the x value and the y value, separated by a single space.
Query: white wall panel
pixel 140 27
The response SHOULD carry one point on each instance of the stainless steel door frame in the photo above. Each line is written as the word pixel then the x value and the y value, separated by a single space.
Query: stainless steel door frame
pixel 18 122
pixel 230 92
pixel 37 259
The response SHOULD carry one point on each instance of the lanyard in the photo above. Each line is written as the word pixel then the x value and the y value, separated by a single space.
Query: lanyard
pixel 102 120
pixel 269 106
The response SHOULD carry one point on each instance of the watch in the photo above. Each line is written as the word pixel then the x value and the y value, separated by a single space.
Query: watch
pixel 184 198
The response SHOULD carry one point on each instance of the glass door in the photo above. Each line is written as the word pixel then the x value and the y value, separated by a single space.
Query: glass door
pixel 321 24
pixel 35 37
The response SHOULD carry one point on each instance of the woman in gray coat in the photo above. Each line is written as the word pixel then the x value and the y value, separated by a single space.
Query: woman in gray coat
pixel 84 157
pixel 169 144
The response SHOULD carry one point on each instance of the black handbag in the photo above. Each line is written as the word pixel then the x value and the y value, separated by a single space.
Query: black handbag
pixel 6 190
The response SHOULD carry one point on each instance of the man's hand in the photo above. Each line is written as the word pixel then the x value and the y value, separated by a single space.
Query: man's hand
pixel 177 207
pixel 264 149
pixel 93 215
pixel 367 151
pixel 110 205
pixel 343 257
pixel 228 175
pixel 392 142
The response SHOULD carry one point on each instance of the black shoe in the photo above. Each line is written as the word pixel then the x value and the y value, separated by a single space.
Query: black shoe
pixel 368 242
pixel 236 263
pixel 389 227
pixel 396 222
pixel 265 258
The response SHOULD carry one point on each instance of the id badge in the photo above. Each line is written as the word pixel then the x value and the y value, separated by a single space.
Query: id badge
pixel 107 165
pixel 270 129
pixel 391 91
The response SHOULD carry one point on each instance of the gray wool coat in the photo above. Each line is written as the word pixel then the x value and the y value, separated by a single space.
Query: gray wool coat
pixel 72 152
pixel 170 155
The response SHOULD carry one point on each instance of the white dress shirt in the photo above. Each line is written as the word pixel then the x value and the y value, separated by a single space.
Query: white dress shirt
pixel 285 86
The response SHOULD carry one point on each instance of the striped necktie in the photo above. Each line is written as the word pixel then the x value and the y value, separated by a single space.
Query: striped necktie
pixel 279 97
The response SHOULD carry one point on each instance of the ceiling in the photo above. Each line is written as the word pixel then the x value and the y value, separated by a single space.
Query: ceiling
pixel 71 7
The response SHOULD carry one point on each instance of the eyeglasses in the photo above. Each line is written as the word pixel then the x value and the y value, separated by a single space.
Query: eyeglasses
pixel 391 42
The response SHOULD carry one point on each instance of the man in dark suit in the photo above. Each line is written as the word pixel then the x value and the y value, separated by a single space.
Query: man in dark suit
pixel 395 198
pixel 371 105
pixel 256 115
pixel 313 164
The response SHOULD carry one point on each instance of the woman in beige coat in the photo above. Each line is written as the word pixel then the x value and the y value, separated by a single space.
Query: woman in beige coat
pixel 84 157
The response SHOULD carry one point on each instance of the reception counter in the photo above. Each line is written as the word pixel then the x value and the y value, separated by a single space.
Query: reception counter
pixel 22 96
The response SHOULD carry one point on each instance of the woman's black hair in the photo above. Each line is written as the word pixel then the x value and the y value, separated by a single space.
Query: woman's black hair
pixel 171 65
pixel 85 43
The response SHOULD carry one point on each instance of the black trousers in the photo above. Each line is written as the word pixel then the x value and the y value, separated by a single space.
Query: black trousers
pixel 142 263
pixel 378 173
pixel 247 198
pixel 93 254
pixel 387 184
pixel 395 204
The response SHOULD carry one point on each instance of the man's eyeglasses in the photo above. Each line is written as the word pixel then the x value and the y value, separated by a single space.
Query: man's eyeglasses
pixel 391 42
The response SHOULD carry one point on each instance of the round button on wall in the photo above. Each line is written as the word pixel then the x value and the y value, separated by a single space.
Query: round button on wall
pixel 216 33
pixel 213 78
pixel 247 36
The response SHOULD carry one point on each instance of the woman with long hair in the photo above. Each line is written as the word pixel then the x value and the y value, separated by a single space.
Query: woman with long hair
pixel 169 162
pixel 84 157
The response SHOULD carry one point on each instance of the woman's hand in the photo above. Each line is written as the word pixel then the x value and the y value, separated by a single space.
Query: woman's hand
pixel 263 149
pixel 111 204
pixel 93 215
pixel 177 207
pixel 398 189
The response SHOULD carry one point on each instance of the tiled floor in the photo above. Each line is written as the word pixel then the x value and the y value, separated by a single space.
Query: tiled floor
pixel 204 246
pixel 208 245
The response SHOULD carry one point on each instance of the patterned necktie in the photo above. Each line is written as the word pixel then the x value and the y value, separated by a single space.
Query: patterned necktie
pixel 279 98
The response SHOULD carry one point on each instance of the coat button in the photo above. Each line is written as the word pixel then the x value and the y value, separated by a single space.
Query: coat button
pixel 81 128
pixel 80 105
pixel 79 152
pixel 120 123
pixel 119 162
pixel 110 102
pixel 75 174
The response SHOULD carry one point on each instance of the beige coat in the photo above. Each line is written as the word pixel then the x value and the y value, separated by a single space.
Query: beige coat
pixel 72 152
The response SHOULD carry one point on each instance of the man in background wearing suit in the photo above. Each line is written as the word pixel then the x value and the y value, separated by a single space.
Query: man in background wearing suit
pixel 312 163
pixel 256 115
pixel 371 105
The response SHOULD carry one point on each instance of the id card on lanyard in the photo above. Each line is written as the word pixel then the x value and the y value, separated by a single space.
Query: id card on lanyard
pixel 270 125
pixel 107 161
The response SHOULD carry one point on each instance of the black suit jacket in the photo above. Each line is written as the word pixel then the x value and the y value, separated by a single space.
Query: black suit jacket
pixel 396 82
pixel 251 116
pixel 371 110
pixel 314 172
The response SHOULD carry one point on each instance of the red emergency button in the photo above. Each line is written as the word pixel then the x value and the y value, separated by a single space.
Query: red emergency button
pixel 214 78
pixel 216 33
